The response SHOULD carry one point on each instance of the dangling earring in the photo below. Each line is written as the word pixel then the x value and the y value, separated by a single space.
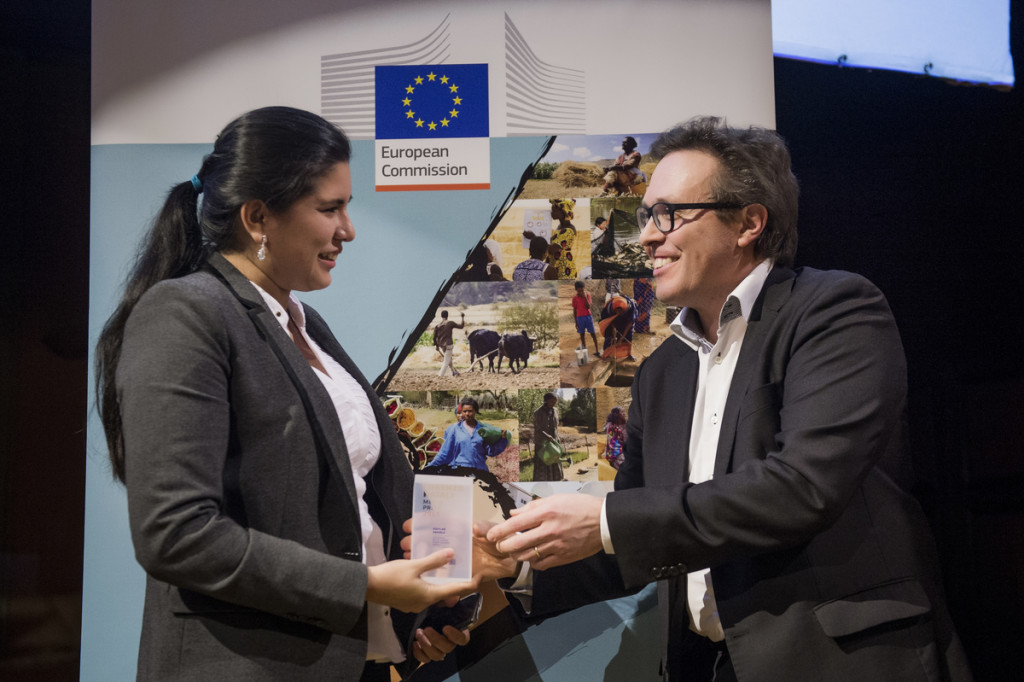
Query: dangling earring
pixel 262 253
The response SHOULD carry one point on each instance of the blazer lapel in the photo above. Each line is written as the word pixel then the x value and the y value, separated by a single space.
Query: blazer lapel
pixel 679 384
pixel 323 407
pixel 318 329
pixel 773 296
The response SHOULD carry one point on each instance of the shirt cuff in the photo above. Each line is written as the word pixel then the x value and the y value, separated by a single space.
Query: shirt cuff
pixel 524 581
pixel 606 536
pixel 522 588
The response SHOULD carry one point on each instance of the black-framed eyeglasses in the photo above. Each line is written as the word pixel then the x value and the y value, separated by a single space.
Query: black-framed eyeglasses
pixel 669 217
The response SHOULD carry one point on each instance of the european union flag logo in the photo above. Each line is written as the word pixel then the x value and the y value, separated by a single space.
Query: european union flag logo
pixel 437 100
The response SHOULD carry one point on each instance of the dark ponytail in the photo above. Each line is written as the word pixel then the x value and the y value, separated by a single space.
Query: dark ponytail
pixel 275 154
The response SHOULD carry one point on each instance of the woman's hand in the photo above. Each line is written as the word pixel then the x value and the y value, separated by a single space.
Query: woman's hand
pixel 488 562
pixel 398 583
pixel 431 645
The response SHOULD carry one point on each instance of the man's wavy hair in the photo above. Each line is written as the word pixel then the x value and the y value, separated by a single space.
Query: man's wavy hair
pixel 754 169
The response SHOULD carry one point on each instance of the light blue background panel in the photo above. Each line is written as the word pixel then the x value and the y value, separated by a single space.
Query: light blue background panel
pixel 407 247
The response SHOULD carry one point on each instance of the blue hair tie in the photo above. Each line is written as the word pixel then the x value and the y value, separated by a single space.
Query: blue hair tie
pixel 197 184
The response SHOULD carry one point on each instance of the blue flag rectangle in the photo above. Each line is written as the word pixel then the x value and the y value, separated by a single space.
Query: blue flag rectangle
pixel 431 101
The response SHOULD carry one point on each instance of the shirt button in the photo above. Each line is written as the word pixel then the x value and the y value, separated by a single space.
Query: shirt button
pixel 714 418
pixel 718 359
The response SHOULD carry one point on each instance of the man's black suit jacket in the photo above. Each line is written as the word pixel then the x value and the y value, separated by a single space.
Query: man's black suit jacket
pixel 822 562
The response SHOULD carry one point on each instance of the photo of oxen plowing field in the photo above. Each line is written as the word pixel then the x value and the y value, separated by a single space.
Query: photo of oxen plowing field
pixel 496 336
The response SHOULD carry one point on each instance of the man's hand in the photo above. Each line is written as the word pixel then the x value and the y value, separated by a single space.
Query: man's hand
pixel 551 531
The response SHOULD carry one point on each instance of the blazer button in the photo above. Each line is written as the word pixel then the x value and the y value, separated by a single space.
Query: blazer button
pixel 656 571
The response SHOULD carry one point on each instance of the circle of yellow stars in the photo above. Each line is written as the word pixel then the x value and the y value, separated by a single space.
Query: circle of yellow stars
pixel 442 80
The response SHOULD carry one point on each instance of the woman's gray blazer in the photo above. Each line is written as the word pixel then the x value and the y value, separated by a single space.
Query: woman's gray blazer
pixel 248 531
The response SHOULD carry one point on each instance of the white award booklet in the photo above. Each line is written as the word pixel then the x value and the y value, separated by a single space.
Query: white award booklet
pixel 442 517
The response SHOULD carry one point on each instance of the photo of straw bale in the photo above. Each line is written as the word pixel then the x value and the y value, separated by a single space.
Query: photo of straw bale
pixel 503 335
pixel 564 226
pixel 592 166
pixel 458 428
pixel 628 320
pixel 558 435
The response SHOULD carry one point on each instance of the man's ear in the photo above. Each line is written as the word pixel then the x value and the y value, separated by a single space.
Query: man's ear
pixel 752 222
pixel 253 215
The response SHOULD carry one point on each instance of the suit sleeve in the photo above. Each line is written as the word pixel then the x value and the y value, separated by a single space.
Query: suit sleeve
pixel 173 386
pixel 807 434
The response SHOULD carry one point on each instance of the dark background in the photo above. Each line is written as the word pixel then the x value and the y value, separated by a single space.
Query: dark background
pixel 912 181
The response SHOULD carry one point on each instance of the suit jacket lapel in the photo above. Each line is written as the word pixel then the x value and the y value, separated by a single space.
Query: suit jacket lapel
pixel 773 296
pixel 323 406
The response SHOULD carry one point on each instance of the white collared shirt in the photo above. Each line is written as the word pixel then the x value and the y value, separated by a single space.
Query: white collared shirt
pixel 362 439
pixel 717 365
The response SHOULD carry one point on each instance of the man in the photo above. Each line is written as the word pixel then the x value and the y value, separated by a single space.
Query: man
pixel 443 342
pixel 465 444
pixel 598 242
pixel 628 164
pixel 545 429
pixel 764 483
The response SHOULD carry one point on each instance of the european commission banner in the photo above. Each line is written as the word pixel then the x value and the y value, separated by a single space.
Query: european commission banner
pixel 432 127
pixel 500 151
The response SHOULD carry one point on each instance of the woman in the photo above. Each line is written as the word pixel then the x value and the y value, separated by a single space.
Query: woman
pixel 614 429
pixel 494 273
pixel 545 429
pixel 564 236
pixel 617 318
pixel 465 444
pixel 263 475
pixel 643 294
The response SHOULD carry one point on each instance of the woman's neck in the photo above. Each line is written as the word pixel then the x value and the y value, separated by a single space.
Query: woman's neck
pixel 252 272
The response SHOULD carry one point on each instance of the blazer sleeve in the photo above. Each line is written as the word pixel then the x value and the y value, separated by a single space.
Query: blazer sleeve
pixel 827 383
pixel 173 383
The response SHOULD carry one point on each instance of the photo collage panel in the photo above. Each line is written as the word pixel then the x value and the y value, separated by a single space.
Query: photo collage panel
pixel 523 370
